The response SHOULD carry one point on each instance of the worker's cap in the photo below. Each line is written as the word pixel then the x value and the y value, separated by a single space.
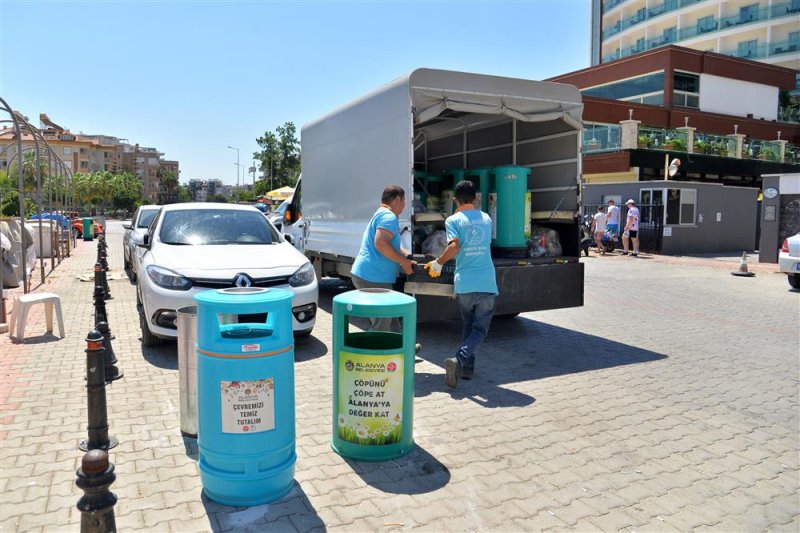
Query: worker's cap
pixel 630 201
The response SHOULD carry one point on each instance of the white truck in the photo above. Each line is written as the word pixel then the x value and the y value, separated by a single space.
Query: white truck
pixel 433 120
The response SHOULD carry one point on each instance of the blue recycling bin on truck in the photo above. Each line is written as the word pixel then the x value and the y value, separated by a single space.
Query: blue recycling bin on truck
pixel 245 394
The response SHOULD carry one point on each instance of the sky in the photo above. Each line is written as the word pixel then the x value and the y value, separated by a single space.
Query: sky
pixel 192 78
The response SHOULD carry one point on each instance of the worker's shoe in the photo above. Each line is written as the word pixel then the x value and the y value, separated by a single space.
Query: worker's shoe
pixel 452 370
pixel 417 348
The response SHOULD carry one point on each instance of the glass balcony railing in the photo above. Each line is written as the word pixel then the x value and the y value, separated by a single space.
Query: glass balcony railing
pixel 763 150
pixel 662 139
pixel 783 47
pixel 601 138
pixel 792 154
pixel 707 27
pixel 718 145
pixel 611 4
pixel 783 9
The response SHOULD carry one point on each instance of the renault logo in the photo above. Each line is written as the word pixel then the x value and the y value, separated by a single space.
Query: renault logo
pixel 242 280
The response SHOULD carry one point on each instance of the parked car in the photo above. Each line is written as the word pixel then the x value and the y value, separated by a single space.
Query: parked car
pixel 195 247
pixel 77 227
pixel 276 217
pixel 141 220
pixel 789 260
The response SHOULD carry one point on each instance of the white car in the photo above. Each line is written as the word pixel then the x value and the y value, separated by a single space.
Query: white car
pixel 789 260
pixel 142 218
pixel 195 247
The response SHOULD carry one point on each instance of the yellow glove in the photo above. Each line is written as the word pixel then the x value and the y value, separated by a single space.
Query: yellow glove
pixel 434 269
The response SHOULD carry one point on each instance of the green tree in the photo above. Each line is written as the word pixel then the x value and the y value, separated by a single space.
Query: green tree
pixel 31 170
pixel 216 198
pixel 184 195
pixel 128 191
pixel 169 185
pixel 279 158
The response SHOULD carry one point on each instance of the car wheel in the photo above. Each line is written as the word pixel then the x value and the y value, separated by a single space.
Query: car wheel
pixel 303 334
pixel 148 339
pixel 794 281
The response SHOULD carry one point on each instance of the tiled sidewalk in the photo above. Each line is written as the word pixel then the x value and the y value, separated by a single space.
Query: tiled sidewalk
pixel 668 402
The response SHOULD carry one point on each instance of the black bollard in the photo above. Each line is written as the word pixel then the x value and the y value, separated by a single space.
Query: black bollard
pixel 96 396
pixel 99 296
pixel 95 476
pixel 101 280
pixel 103 251
pixel 112 373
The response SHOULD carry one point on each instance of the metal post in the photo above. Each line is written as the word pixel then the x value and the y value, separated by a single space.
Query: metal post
pixel 95 476
pixel 99 305
pixel 96 396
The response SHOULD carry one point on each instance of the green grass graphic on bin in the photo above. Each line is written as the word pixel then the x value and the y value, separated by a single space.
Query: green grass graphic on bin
pixel 389 433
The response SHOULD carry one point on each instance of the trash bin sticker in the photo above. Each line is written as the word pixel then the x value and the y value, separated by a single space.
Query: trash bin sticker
pixel 370 398
pixel 248 406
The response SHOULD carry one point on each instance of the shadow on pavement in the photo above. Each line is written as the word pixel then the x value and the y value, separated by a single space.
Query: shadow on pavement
pixel 417 472
pixel 37 339
pixel 164 356
pixel 520 349
pixel 309 348
pixel 295 506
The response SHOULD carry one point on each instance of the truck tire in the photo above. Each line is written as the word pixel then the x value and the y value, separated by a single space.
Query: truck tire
pixel 794 280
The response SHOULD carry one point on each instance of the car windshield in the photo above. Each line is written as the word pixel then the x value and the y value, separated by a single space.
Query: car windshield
pixel 216 226
pixel 282 208
pixel 146 217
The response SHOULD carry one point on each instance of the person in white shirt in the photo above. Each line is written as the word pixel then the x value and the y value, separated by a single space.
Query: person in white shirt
pixel 613 217
pixel 599 229
pixel 631 229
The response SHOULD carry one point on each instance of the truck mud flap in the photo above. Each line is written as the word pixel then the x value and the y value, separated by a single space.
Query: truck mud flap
pixel 522 289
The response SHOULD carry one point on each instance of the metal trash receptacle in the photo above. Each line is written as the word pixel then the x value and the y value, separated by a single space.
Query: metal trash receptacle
pixel 245 394
pixel 373 377
pixel 187 368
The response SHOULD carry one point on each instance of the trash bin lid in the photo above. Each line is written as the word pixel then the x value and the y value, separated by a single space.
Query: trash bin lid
pixel 366 299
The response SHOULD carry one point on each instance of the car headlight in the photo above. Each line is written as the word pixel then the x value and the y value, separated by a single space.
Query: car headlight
pixel 303 276
pixel 167 279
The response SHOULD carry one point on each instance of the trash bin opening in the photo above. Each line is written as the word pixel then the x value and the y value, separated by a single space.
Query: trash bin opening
pixel 245 331
pixel 375 290
pixel 243 290
pixel 247 318
pixel 374 340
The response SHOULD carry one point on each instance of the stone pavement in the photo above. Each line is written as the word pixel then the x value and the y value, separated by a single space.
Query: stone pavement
pixel 669 402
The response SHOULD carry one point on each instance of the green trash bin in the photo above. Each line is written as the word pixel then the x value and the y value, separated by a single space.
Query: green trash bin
pixel 373 377
pixel 512 210
pixel 88 228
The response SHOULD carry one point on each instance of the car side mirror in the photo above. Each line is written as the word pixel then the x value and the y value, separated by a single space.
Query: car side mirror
pixel 141 239
pixel 127 225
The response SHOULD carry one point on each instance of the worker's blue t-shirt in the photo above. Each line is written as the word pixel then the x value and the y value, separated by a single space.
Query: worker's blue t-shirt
pixel 474 267
pixel 371 264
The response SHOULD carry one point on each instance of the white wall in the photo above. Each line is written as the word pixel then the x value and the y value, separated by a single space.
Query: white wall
pixel 738 98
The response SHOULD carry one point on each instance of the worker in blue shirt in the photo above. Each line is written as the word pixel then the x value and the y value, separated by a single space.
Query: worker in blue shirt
pixel 381 257
pixel 469 238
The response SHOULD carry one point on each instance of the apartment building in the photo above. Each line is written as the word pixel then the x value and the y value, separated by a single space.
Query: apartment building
pixel 767 30
pixel 200 190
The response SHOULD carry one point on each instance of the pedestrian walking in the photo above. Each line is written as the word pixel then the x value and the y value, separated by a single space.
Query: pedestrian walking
pixel 469 236
pixel 599 223
pixel 631 232
pixel 261 205
pixel 381 257
pixel 613 218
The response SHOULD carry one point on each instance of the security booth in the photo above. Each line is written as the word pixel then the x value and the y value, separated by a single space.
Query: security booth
pixel 373 376
pixel 245 381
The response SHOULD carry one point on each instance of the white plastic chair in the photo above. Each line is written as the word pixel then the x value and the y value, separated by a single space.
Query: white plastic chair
pixel 23 303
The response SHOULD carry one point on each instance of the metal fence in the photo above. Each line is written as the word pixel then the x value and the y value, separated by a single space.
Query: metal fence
pixel 651 224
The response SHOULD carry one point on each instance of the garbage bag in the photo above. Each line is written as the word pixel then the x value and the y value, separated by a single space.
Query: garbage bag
pixel 435 243
pixel 544 243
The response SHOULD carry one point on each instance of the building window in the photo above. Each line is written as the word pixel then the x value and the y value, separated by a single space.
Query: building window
pixel 705 24
pixel 747 48
pixel 687 89
pixel 670 35
pixel 748 13
pixel 67 150
pixel 629 89
pixel 681 206
pixel 648 199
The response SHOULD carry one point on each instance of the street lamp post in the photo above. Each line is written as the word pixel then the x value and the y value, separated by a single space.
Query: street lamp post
pixel 237 164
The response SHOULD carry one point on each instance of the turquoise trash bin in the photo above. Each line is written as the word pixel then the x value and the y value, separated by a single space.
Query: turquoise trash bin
pixel 513 209
pixel 88 228
pixel 245 394
pixel 373 377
